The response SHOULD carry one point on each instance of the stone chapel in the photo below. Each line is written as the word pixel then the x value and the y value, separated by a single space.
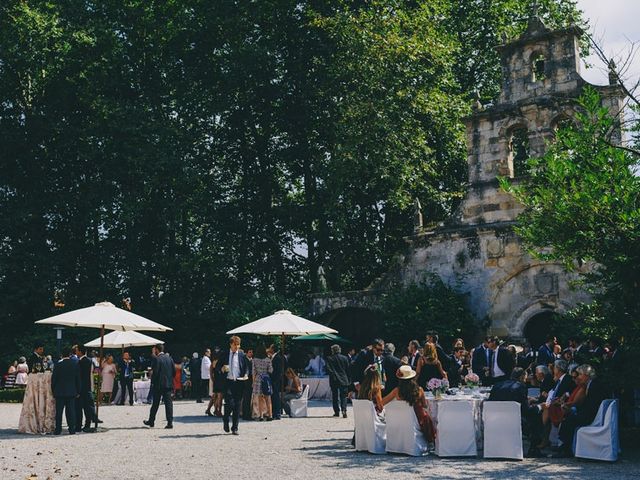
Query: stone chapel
pixel 476 251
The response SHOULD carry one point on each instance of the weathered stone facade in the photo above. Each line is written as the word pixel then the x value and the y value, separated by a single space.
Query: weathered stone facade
pixel 477 251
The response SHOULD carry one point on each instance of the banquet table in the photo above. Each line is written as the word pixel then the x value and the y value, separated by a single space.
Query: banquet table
pixel 476 401
pixel 38 414
pixel 140 392
pixel 319 388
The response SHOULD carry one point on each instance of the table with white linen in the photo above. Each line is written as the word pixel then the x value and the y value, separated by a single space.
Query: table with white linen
pixel 319 388
pixel 38 413
pixel 476 401
pixel 141 390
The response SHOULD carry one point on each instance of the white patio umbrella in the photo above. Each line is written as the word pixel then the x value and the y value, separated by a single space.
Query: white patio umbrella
pixel 105 316
pixel 123 340
pixel 283 323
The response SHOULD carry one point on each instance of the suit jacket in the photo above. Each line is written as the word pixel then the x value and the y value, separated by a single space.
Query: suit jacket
pixel 566 386
pixel 415 362
pixel 122 367
pixel 194 369
pixel 362 361
pixel 587 411
pixel 390 364
pixel 162 371
pixel 86 377
pixel 512 391
pixel 456 372
pixel 545 355
pixel 443 357
pixel 505 360
pixel 337 366
pixel 65 380
pixel 280 364
pixel 479 361
pixel 243 363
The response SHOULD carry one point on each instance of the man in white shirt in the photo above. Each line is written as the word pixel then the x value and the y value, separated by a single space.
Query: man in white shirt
pixel 414 354
pixel 234 368
pixel 316 366
pixel 205 373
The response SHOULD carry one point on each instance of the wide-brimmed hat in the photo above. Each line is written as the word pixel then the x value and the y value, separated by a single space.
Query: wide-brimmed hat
pixel 405 372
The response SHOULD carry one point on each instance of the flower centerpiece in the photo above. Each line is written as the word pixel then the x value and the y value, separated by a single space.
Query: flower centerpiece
pixel 472 380
pixel 438 386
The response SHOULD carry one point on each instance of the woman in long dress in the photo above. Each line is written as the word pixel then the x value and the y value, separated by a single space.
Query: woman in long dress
pixel 108 374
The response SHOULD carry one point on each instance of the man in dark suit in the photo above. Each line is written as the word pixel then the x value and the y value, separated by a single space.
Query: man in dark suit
pixel 501 362
pixel 279 364
pixel 194 375
pixel 390 365
pixel 545 352
pixel 366 357
pixel 65 384
pixel 583 414
pixel 126 367
pixel 337 366
pixel 480 361
pixel 515 390
pixel 233 366
pixel 163 369
pixel 457 370
pixel 36 362
pixel 84 403
pixel 564 384
pixel 413 353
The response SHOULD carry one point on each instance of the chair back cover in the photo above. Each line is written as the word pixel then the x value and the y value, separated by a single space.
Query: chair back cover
pixel 502 430
pixel 403 430
pixel 456 435
pixel 370 430
pixel 600 441
pixel 299 405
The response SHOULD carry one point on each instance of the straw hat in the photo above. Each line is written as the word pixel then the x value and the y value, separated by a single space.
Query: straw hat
pixel 405 372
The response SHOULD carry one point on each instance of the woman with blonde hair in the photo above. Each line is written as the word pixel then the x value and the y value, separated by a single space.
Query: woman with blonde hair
pixel 429 366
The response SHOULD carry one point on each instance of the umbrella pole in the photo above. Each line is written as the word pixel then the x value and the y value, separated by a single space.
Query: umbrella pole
pixel 284 376
pixel 99 379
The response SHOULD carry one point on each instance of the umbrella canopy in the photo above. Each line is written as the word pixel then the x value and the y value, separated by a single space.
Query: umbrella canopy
pixel 119 339
pixel 104 315
pixel 283 322
pixel 321 338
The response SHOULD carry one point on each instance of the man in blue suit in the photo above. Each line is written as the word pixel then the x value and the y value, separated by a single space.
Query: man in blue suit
pixel 65 384
pixel 233 366
pixel 545 352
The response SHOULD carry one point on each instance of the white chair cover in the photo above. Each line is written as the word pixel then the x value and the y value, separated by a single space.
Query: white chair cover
pixel 403 430
pixel 502 430
pixel 299 405
pixel 599 441
pixel 456 435
pixel 371 433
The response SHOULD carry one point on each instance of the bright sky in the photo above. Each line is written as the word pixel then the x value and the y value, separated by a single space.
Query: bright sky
pixel 616 24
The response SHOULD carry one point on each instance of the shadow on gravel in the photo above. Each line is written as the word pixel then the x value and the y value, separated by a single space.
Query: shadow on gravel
pixel 194 435
pixel 196 419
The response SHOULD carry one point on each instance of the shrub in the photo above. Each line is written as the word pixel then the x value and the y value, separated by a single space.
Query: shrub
pixel 12 395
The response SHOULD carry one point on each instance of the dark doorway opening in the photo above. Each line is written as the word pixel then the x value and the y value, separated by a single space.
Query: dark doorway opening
pixel 360 325
pixel 538 327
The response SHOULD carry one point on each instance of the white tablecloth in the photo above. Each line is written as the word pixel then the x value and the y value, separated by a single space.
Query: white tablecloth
pixel 140 392
pixel 476 406
pixel 319 388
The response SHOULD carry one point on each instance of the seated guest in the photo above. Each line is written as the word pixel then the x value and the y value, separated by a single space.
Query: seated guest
pixel 584 413
pixel 544 381
pixel 409 391
pixel 515 390
pixel 560 406
pixel 429 366
pixel 560 392
pixel 371 388
pixel 292 389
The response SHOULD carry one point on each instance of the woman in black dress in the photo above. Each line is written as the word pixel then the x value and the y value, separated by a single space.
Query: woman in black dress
pixel 429 366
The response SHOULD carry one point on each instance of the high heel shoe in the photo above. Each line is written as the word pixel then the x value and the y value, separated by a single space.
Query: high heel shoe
pixel 208 413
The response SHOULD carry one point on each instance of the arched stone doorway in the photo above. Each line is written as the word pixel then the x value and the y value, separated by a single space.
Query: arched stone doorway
pixel 360 325
pixel 538 327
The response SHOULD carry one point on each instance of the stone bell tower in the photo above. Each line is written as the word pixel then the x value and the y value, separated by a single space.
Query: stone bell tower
pixel 476 251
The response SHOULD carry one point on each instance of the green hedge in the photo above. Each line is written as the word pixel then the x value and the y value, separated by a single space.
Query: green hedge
pixel 12 395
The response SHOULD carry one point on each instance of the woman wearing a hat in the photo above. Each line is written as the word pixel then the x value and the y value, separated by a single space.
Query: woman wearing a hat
pixel 409 391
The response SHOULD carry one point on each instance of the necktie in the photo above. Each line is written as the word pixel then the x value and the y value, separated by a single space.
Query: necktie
pixel 492 354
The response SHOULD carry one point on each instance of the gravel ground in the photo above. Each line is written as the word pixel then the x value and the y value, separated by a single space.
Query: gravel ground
pixel 316 448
